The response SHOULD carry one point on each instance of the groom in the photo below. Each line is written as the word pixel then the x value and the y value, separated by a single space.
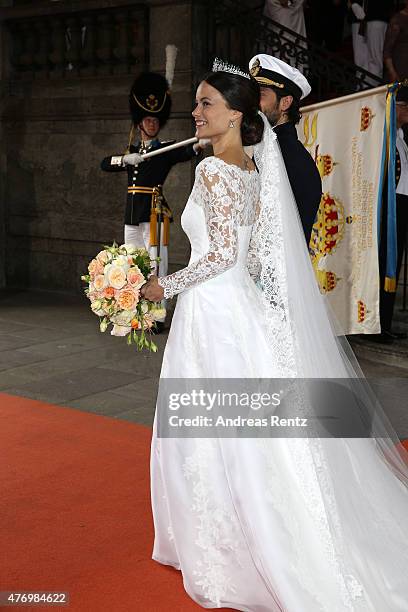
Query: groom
pixel 282 88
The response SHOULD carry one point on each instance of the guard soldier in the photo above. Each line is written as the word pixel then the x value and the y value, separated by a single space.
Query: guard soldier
pixel 148 215
pixel 282 88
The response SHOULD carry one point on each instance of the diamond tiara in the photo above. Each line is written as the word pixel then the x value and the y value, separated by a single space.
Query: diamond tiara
pixel 220 66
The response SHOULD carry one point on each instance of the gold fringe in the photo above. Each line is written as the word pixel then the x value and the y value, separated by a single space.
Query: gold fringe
pixel 390 284
pixel 153 228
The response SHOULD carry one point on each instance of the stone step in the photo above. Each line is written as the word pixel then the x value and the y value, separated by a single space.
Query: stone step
pixel 395 354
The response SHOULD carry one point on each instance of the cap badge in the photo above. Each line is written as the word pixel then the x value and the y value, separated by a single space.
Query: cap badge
pixel 152 102
pixel 255 68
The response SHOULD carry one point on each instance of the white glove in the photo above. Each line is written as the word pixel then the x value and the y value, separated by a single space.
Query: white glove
pixel 133 159
pixel 358 11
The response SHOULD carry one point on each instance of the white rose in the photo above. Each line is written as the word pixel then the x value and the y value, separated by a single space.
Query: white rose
pixel 120 330
pixel 158 314
pixel 96 307
pixel 121 261
pixel 116 277
pixel 123 318
pixel 129 248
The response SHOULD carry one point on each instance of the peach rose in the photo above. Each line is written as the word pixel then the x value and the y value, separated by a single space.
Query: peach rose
pixel 135 277
pixel 135 324
pixel 93 267
pixel 99 282
pixel 103 257
pixel 95 295
pixel 108 292
pixel 127 299
pixel 117 277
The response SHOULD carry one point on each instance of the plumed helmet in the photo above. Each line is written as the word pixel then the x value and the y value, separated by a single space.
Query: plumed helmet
pixel 150 97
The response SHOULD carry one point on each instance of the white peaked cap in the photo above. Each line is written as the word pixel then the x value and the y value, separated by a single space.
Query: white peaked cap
pixel 270 71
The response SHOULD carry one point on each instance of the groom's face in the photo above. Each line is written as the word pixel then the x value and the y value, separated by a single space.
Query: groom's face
pixel 272 107
pixel 269 104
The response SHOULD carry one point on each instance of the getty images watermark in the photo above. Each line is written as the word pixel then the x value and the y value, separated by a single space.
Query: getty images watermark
pixel 213 402
pixel 262 408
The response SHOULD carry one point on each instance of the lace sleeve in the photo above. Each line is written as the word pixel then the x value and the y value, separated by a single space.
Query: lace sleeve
pixel 253 262
pixel 219 203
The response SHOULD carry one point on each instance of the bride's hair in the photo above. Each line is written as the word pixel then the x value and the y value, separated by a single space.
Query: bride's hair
pixel 243 95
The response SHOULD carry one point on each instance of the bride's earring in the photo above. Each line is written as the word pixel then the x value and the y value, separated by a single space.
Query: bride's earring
pixel 231 124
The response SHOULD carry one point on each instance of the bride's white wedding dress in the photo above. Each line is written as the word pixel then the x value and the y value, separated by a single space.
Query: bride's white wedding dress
pixel 265 525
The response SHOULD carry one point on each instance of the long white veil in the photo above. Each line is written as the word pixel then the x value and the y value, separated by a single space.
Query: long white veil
pixel 354 489
pixel 298 323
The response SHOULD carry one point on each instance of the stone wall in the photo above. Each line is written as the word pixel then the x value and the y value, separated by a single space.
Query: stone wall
pixel 3 158
pixel 57 206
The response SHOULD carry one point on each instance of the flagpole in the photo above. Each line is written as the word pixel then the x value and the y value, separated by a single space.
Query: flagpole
pixel 354 96
pixel 175 145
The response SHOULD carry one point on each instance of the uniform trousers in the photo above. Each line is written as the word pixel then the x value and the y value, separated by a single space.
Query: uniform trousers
pixel 368 49
pixel 375 44
pixel 139 237
pixel 387 300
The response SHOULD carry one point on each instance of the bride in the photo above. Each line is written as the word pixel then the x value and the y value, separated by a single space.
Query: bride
pixel 281 524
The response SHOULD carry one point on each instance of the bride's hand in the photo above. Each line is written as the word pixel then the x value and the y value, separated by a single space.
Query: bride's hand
pixel 152 290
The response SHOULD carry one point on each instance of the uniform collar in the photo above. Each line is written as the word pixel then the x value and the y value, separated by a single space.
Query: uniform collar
pixel 285 128
pixel 153 144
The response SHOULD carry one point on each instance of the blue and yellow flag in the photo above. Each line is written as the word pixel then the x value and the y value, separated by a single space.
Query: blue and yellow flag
pixel 386 193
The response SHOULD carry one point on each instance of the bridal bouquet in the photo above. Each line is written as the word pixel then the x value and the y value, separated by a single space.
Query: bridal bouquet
pixel 115 277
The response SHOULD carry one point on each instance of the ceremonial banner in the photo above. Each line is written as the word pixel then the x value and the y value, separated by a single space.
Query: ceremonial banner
pixel 345 138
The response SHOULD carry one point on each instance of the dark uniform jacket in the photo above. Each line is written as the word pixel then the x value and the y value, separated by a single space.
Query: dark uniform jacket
pixel 149 173
pixel 375 10
pixel 303 175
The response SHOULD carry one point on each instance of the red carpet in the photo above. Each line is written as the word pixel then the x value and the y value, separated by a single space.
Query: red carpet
pixel 75 511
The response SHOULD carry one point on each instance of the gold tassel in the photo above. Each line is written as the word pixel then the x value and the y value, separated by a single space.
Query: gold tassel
pixel 153 228
pixel 131 134
pixel 166 230
pixel 390 284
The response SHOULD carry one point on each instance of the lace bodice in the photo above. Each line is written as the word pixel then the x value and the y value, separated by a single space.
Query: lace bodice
pixel 228 197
